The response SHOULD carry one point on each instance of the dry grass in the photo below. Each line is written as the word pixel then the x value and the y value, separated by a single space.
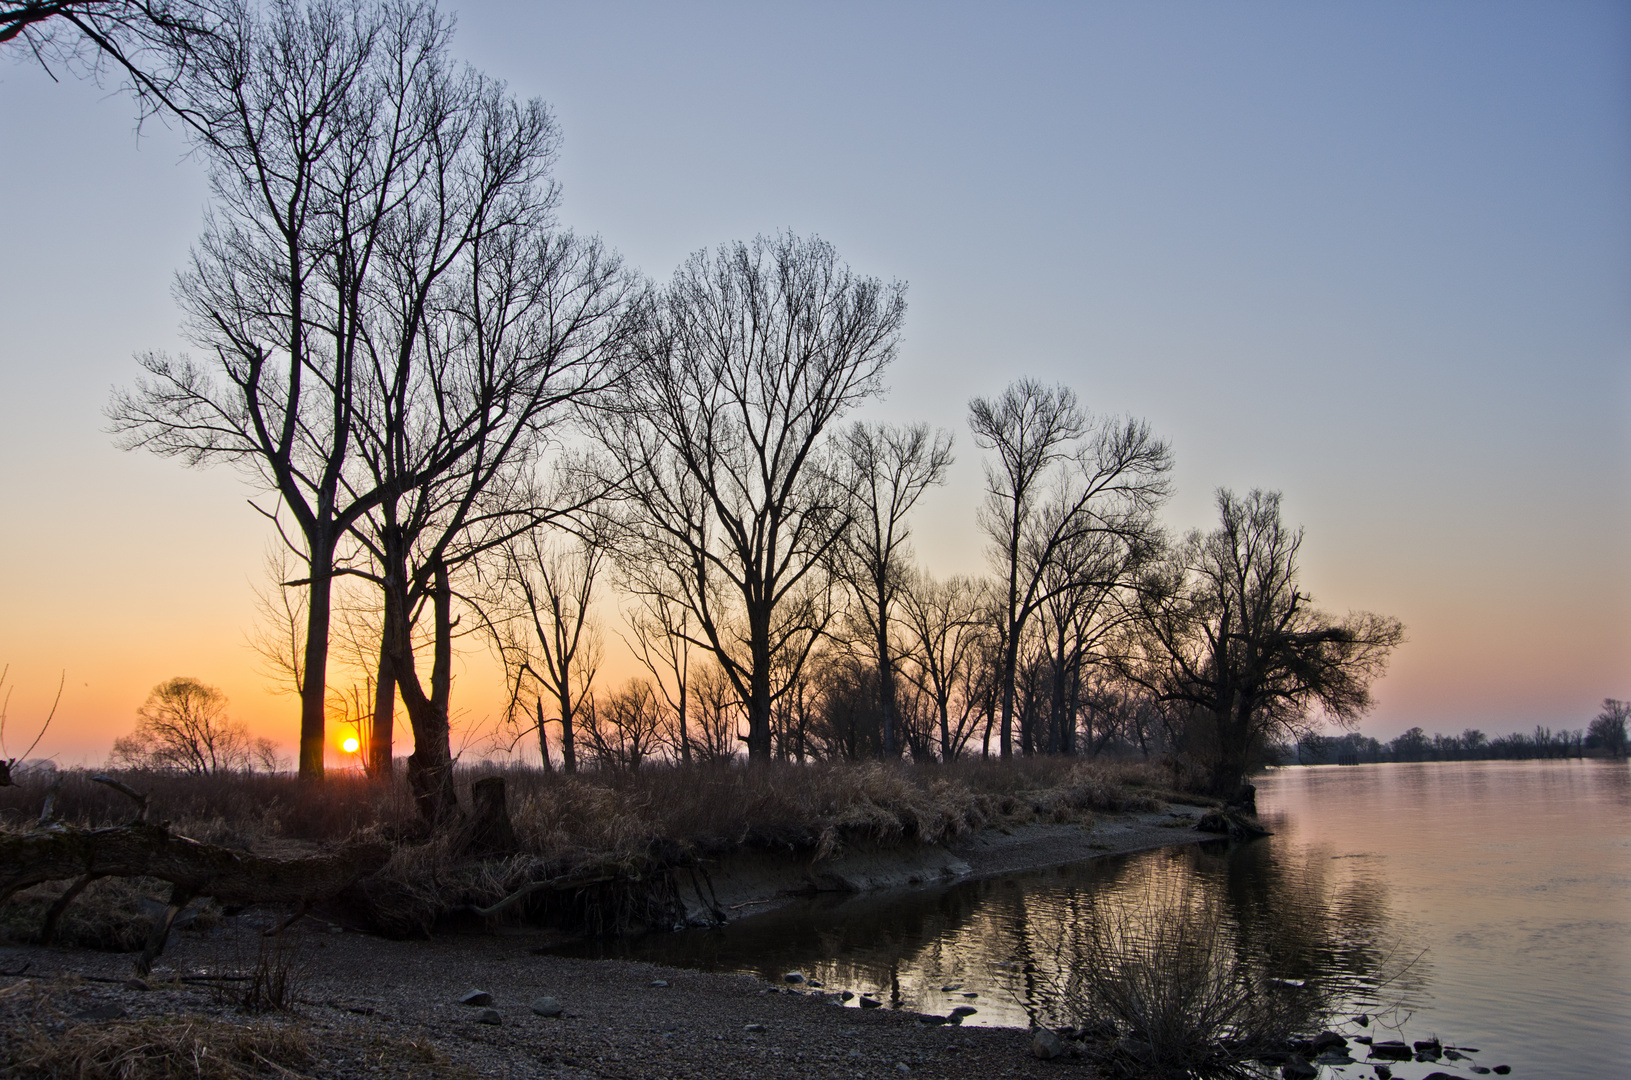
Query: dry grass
pixel 40 1038
pixel 624 827
pixel 1165 974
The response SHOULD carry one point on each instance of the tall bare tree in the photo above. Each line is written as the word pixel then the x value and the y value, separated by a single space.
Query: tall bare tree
pixel 1227 630
pixel 885 470
pixel 751 356
pixel 1059 477
pixel 318 118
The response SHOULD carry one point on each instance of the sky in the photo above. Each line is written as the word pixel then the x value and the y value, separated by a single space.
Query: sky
pixel 1375 256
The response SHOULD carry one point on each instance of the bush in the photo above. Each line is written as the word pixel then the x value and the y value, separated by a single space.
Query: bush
pixel 1164 973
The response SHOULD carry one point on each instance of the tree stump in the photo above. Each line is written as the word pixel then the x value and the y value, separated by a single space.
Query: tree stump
pixel 488 832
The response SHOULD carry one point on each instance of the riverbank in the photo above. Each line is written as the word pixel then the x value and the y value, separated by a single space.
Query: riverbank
pixel 371 1007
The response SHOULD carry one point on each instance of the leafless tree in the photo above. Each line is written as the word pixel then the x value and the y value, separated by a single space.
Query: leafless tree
pixel 884 470
pixel 546 629
pixel 1059 478
pixel 152 43
pixel 183 727
pixel 661 645
pixel 319 117
pixel 1227 631
pixel 946 623
pixel 623 728
pixel 751 355
pixel 718 712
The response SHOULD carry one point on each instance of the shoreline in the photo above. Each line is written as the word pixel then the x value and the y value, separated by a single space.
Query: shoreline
pixel 360 991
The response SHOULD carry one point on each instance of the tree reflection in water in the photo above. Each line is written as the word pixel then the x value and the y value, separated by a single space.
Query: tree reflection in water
pixel 1003 945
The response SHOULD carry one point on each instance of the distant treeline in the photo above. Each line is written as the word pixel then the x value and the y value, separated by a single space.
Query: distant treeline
pixel 1603 737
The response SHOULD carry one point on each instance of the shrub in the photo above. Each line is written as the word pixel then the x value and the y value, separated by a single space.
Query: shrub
pixel 1164 972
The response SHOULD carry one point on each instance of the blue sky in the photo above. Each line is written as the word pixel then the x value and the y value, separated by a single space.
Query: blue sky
pixel 1376 256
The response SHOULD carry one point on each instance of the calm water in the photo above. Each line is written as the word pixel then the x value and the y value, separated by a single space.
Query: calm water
pixel 1487 902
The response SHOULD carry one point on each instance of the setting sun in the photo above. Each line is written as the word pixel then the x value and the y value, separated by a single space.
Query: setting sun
pixel 349 745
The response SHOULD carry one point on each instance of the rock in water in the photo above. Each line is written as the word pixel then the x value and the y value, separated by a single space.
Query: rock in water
pixel 964 1010
pixel 1383 1072
pixel 1046 1045
pixel 476 998
pixel 794 977
pixel 1502 1070
pixel 871 1003
pixel 547 1006
pixel 1329 1040
pixel 1391 1050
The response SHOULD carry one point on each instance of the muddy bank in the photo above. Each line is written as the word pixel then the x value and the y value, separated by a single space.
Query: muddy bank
pixel 756 882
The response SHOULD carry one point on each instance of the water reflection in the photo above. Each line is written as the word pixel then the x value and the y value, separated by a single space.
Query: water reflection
pixel 1004 946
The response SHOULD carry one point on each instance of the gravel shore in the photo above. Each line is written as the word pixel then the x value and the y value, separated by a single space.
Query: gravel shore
pixel 373 1007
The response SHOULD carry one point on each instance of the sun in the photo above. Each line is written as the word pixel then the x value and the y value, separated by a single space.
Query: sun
pixel 350 744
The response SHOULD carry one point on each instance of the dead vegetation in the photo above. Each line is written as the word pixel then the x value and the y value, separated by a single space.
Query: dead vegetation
pixel 46 1034
pixel 596 851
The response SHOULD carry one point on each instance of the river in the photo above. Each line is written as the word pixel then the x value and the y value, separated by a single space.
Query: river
pixel 1486 902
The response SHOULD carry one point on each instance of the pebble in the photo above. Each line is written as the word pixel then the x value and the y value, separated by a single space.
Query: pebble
pixel 902 1067
pixel 1046 1045
pixel 794 977
pixel 476 997
pixel 489 1016
pixel 547 1006
pixel 659 984
pixel 753 1027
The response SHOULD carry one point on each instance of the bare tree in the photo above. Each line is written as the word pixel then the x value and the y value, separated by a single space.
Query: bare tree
pixel 1059 478
pixel 623 728
pixel 152 43
pixel 946 623
pixel 1608 729
pixel 718 712
pixel 884 470
pixel 1226 630
pixel 183 727
pixel 750 357
pixel 546 630
pixel 661 645
pixel 319 117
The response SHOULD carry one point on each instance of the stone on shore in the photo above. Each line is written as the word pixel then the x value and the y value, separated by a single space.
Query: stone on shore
pixel 1046 1045
pixel 476 998
pixel 547 1006
pixel 489 1016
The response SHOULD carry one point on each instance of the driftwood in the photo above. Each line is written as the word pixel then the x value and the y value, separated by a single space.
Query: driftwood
pixel 65 852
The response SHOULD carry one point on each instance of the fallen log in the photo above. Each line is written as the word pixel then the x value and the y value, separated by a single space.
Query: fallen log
pixel 193 869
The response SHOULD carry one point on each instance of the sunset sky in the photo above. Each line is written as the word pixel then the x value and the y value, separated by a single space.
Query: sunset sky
pixel 1376 256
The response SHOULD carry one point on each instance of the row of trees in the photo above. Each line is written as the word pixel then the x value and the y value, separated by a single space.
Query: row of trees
pixel 1605 735
pixel 466 419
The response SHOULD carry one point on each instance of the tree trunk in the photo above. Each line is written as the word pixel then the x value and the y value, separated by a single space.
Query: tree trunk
pixel 430 766
pixel 314 677
pixel 759 686
pixel 383 730
pixel 543 735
